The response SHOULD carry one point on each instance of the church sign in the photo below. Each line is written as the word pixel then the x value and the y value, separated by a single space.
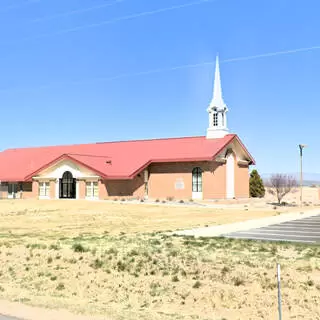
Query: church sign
pixel 179 184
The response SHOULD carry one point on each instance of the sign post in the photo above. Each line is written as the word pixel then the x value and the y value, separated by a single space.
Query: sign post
pixel 279 292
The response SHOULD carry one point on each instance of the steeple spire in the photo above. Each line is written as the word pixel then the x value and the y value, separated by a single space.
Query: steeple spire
pixel 217 92
pixel 217 109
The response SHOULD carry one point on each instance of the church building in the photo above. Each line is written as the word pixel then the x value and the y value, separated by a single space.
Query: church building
pixel 215 166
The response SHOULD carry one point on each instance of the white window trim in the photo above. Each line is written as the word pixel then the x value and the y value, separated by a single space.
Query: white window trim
pixel 92 197
pixel 47 190
pixel 197 195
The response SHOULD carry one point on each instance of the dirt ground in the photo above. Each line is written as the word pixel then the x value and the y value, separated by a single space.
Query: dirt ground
pixel 70 218
pixel 111 261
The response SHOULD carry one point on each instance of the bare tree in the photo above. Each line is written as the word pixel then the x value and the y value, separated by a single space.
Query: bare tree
pixel 280 185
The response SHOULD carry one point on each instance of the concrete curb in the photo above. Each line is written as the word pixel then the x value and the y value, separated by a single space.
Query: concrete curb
pixel 220 230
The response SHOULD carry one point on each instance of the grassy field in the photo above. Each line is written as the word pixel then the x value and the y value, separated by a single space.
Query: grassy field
pixel 112 260
pixel 52 219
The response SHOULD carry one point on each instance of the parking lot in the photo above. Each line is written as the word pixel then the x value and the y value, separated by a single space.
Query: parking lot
pixel 305 230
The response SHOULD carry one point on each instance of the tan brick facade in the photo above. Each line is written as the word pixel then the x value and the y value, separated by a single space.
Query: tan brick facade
pixel 241 181
pixel 29 190
pixel 164 180
pixel 122 188
pixel 82 189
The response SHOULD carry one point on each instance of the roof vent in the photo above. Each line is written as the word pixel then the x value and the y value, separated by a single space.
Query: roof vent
pixel 108 162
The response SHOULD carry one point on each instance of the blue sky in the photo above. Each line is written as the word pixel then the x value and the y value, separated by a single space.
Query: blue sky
pixel 59 70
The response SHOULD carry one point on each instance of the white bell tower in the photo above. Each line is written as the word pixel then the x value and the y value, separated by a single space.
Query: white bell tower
pixel 217 110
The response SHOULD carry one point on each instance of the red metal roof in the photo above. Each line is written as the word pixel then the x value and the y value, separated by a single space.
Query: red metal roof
pixel 111 160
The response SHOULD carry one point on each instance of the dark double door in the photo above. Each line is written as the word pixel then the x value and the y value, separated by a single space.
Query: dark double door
pixel 67 186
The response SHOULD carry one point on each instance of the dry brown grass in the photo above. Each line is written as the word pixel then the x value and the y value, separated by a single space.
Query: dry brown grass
pixel 74 255
pixel 70 218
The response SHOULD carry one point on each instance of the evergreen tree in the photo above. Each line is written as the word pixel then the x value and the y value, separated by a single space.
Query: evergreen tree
pixel 257 189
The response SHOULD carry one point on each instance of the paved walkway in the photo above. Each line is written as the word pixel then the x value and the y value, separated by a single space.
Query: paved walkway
pixel 220 230
pixel 305 230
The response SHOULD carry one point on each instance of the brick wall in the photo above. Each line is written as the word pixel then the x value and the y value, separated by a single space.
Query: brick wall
pixel 165 178
pixel 82 189
pixel 122 188
pixel 214 181
pixel 29 191
pixel 241 181
pixel 52 189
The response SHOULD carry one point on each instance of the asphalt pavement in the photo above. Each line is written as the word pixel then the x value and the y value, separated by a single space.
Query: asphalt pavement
pixel 8 318
pixel 305 230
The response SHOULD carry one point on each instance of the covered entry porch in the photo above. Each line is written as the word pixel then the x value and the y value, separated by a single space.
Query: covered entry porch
pixel 67 180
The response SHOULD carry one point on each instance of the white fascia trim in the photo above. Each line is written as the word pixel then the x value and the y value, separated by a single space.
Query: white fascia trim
pixel 244 162
pixel 221 160
pixel 91 178
pixel 43 179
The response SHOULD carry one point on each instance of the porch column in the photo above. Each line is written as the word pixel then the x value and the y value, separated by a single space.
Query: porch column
pixel 57 188
pixel 77 189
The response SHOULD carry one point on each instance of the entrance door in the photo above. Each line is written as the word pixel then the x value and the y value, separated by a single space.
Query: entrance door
pixel 12 190
pixel 67 186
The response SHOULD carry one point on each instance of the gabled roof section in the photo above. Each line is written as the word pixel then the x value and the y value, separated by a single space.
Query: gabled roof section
pixel 111 160
pixel 90 162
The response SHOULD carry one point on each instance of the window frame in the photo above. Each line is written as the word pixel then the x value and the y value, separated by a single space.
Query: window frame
pixel 44 189
pixel 91 186
pixel 197 179
pixel 215 119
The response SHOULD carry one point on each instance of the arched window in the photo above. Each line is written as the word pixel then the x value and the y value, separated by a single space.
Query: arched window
pixel 67 177
pixel 67 186
pixel 197 180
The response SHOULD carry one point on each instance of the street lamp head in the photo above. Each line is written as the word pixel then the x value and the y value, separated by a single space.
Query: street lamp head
pixel 301 146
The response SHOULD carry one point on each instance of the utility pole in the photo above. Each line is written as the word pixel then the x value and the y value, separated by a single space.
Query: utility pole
pixel 301 146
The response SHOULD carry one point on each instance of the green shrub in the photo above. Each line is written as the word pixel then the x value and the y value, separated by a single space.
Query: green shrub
pixel 237 281
pixel 78 247
pixel 256 186
pixel 97 263
pixel 54 247
pixel 60 286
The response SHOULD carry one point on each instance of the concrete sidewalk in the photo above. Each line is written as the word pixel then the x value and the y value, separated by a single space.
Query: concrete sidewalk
pixel 216 231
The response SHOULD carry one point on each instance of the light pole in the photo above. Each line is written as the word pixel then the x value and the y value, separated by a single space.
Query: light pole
pixel 301 146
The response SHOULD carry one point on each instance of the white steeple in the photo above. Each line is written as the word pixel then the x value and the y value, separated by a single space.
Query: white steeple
pixel 217 109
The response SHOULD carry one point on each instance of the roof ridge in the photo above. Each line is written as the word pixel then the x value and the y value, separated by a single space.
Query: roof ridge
pixel 87 155
pixel 102 142
pixel 152 139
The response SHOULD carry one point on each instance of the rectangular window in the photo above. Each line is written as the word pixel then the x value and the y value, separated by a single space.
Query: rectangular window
pixel 88 190
pixel 92 189
pixel 95 190
pixel 215 119
pixel 44 189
